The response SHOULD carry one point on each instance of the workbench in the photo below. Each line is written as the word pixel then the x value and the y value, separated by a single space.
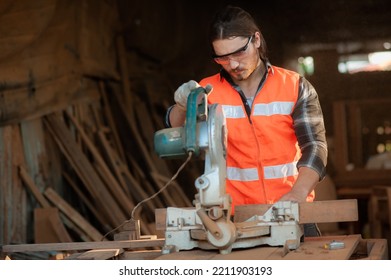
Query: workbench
pixel 312 248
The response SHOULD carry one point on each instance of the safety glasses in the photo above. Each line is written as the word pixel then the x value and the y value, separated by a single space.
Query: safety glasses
pixel 236 55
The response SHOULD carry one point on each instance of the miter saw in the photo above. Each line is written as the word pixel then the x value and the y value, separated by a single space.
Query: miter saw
pixel 209 224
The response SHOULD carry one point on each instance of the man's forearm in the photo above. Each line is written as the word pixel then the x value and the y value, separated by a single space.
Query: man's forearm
pixel 176 117
pixel 304 185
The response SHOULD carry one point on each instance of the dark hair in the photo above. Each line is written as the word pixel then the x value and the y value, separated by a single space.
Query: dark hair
pixel 234 21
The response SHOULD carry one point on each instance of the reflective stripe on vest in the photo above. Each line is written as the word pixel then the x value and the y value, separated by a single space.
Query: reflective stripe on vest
pixel 270 172
pixel 242 174
pixel 281 171
pixel 233 112
pixel 273 108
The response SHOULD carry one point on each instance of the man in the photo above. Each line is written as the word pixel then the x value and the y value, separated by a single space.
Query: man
pixel 277 146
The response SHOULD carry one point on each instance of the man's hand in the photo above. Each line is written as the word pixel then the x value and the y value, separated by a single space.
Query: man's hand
pixel 305 183
pixel 182 93
pixel 295 196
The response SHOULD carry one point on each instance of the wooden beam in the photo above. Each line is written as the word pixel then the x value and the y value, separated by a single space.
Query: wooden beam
pixel 48 215
pixel 84 198
pixel 28 181
pixel 309 212
pixel 84 169
pixel 48 227
pixel 74 246
pixel 73 215
pixel 112 183
pixel 97 254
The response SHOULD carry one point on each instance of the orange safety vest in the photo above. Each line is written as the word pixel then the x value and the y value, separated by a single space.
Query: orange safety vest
pixel 261 154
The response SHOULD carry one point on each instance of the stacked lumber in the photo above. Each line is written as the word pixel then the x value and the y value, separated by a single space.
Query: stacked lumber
pixel 102 179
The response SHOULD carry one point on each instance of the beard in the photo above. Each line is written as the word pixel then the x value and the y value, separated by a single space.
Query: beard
pixel 242 73
pixel 238 74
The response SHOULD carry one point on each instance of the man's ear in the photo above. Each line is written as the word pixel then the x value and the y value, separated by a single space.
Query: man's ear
pixel 257 39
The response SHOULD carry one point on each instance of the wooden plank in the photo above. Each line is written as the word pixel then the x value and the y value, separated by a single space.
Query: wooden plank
pixel 85 170
pixel 116 190
pixel 49 216
pixel 326 211
pixel 311 212
pixel 73 215
pixel 75 246
pixel 115 161
pixel 377 249
pixel 111 123
pixel 160 218
pixel 13 196
pixel 329 211
pixel 35 153
pixel 140 255
pixel 97 254
pixel 85 200
pixel 48 227
pixel 32 187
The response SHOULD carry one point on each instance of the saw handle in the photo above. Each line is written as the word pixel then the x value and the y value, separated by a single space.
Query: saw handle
pixel 209 224
pixel 192 113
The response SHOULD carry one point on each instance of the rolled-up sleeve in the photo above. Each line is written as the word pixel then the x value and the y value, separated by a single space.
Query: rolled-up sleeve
pixel 310 130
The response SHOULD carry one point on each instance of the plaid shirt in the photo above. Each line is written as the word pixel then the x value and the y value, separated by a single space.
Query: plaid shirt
pixel 309 128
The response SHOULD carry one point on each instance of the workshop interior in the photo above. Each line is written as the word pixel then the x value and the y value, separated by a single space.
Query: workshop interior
pixel 89 170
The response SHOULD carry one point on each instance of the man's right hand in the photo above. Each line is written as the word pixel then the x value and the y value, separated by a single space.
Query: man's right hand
pixel 182 93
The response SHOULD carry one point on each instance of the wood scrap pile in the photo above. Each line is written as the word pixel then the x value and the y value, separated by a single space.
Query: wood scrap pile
pixel 104 154
pixel 108 178
pixel 77 125
pixel 102 178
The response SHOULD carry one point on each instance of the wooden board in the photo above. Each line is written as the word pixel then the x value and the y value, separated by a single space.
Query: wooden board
pixel 140 255
pixel 13 197
pixel 74 246
pixel 85 170
pixel 48 227
pixel 310 212
pixel 98 254
pixel 73 215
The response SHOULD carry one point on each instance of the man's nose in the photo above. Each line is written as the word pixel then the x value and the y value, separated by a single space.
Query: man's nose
pixel 233 64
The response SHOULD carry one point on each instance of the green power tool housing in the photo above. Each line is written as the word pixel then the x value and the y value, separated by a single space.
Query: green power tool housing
pixel 177 142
